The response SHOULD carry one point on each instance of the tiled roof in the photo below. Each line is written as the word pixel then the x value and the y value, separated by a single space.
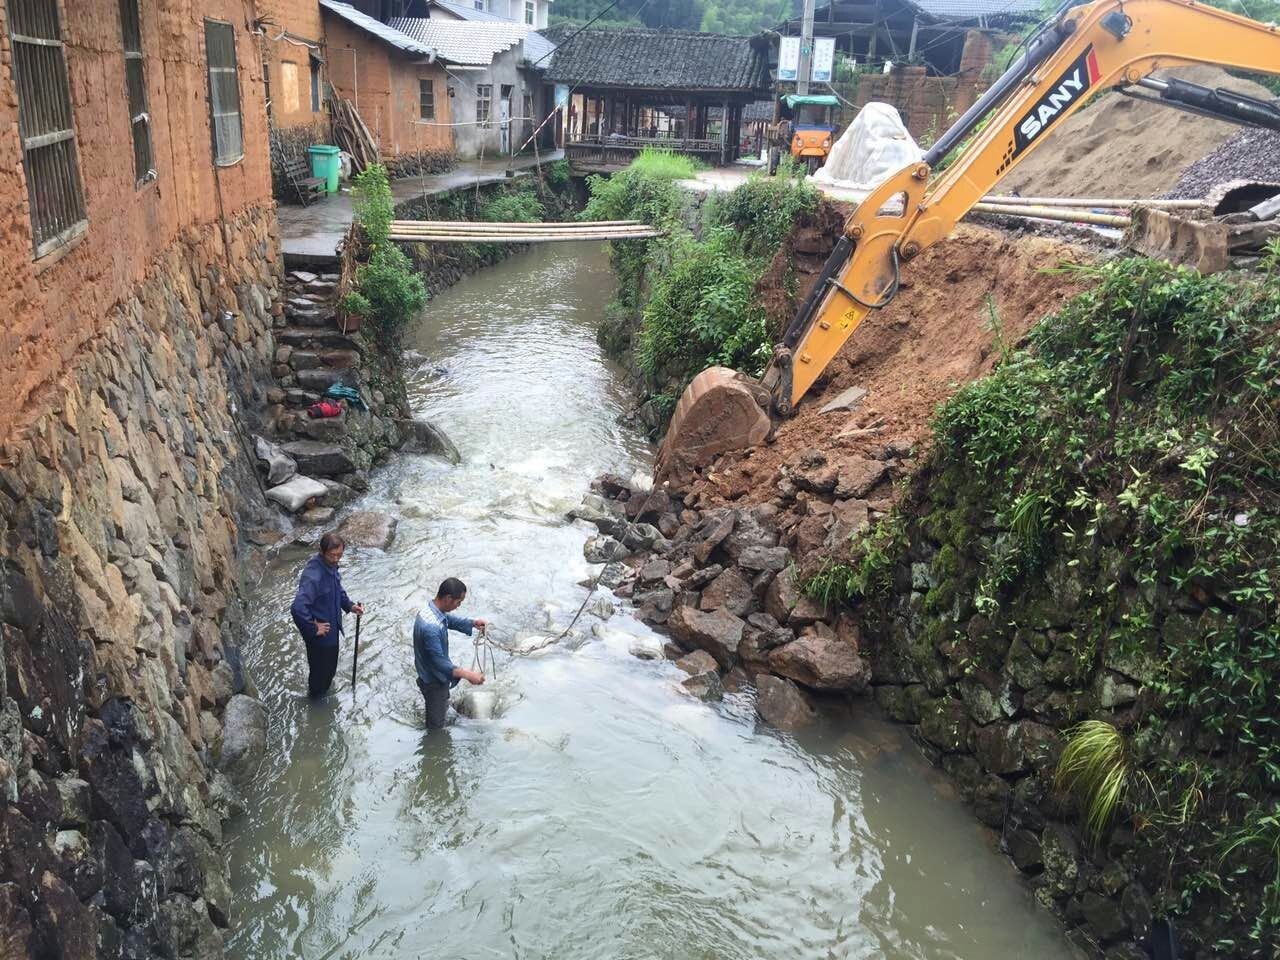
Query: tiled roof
pixel 377 28
pixel 538 49
pixel 660 59
pixel 471 42
pixel 759 110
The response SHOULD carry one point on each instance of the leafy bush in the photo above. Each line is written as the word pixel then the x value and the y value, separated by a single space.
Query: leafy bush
pixel 558 174
pixel 391 288
pixel 765 209
pixel 632 195
pixel 356 304
pixel 702 312
pixel 516 206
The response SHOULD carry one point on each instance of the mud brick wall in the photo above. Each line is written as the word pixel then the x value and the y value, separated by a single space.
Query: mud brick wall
pixel 288 26
pixel 55 305
pixel 387 83
pixel 120 611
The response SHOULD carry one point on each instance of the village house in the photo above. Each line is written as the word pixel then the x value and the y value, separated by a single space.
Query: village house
pixel 398 84
pixel 495 69
pixel 636 88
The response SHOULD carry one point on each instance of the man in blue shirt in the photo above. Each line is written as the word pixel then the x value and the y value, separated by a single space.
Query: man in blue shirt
pixel 317 612
pixel 436 672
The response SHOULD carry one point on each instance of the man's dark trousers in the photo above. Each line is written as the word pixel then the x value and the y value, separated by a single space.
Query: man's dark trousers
pixel 322 664
pixel 436 696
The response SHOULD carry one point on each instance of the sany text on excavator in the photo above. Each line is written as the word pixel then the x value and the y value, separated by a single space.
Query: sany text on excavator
pixel 1079 51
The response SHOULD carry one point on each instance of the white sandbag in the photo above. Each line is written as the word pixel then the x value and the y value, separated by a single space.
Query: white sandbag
pixel 871 148
pixel 294 494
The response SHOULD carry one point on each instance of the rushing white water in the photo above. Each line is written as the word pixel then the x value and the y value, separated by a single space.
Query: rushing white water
pixel 603 813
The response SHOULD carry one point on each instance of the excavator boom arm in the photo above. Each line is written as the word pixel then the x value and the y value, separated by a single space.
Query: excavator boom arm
pixel 1086 49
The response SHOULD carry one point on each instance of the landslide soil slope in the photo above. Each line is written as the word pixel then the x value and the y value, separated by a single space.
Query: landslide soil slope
pixel 934 337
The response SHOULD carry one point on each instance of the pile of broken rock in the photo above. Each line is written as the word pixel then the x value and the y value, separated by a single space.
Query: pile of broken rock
pixel 721 581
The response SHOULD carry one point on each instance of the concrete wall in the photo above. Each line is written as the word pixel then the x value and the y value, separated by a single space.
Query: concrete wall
pixel 286 57
pixel 54 306
pixel 473 140
pixel 384 86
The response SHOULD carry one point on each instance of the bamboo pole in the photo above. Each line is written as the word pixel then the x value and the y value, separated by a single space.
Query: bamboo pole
pixel 526 238
pixel 515 224
pixel 1112 202
pixel 1054 213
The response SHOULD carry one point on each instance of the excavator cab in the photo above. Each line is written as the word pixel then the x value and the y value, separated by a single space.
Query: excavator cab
pixel 1080 50
pixel 813 122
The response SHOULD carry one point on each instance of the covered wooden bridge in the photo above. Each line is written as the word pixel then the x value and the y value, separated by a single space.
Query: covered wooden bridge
pixel 636 88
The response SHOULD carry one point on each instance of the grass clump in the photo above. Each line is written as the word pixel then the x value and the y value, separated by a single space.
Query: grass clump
pixel 1094 771
pixel 665 165
pixel 517 206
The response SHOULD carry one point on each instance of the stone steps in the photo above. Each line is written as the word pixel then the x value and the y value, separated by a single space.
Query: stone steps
pixel 314 338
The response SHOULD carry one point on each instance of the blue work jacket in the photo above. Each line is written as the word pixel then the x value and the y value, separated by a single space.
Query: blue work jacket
pixel 320 597
pixel 431 644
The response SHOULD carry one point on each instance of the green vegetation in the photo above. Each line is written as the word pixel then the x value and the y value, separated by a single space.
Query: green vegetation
pixel 666 164
pixel 687 301
pixel 1115 487
pixel 520 205
pixel 1094 769
pixel 391 289
pixel 711 16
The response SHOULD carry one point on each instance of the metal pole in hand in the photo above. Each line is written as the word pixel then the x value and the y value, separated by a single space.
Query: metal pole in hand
pixel 355 654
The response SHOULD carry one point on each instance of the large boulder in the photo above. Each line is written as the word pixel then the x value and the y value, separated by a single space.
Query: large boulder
pixel 718 632
pixel 858 477
pixel 422 436
pixel 278 465
pixel 785 603
pixel 781 704
pixel 318 459
pixel 730 591
pixel 369 528
pixel 244 735
pixel 294 494
pixel 821 663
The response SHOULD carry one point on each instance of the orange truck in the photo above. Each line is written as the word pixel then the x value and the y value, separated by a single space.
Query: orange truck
pixel 813 125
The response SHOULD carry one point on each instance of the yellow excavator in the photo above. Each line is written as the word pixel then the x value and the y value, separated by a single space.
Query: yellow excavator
pixel 1077 52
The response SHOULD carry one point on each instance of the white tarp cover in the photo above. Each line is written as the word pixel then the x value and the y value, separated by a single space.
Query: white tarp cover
pixel 872 147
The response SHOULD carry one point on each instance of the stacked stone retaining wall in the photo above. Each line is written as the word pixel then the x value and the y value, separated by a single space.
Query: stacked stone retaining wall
pixel 124 709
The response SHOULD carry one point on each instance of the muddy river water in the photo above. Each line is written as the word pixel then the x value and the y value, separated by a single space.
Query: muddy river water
pixel 605 813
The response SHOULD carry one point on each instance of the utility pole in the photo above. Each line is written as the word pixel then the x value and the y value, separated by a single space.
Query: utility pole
pixel 806 49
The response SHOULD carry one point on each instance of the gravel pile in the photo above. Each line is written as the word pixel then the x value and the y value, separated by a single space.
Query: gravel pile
pixel 1252 154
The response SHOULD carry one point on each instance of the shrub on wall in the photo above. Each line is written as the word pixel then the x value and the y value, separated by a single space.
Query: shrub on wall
pixel 386 279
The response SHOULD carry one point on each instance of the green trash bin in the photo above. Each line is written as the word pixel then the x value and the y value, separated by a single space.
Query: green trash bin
pixel 324 164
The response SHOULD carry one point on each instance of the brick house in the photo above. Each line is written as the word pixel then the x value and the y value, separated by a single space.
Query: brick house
pixel 152 126
pixel 398 85
pixel 291 50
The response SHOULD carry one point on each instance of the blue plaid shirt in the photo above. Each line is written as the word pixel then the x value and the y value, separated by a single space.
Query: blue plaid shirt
pixel 431 644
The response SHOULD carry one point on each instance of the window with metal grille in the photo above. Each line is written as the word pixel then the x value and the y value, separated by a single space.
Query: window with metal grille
pixel 426 99
pixel 46 125
pixel 484 99
pixel 224 92
pixel 135 79
pixel 529 12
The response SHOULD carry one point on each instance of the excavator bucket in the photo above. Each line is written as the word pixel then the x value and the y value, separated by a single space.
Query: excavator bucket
pixel 721 410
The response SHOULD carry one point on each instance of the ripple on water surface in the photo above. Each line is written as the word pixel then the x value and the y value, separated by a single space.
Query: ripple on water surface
pixel 604 814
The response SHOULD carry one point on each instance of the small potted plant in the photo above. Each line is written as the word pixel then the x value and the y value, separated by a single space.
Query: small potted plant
pixel 352 309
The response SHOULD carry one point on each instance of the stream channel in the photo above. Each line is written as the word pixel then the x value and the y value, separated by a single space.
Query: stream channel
pixel 605 813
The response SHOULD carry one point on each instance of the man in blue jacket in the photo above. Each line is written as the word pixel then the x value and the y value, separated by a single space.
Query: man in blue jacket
pixel 436 672
pixel 317 612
